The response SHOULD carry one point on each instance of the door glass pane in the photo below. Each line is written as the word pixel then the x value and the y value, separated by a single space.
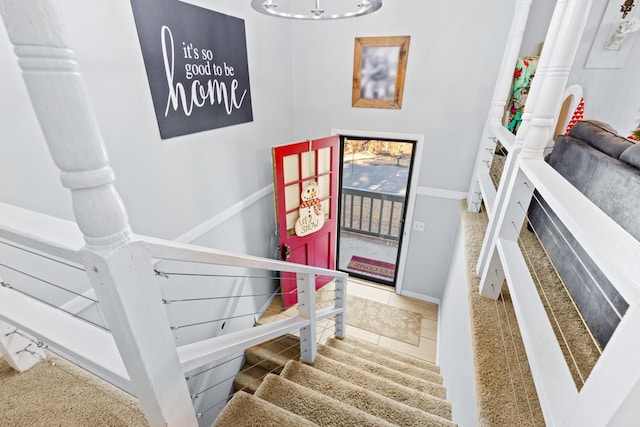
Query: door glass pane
pixel 290 164
pixel 308 164
pixel 324 160
pixel 291 220
pixel 325 208
pixel 375 177
pixel 324 186
pixel 291 197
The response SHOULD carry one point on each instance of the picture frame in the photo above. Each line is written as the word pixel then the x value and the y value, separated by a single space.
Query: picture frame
pixel 379 67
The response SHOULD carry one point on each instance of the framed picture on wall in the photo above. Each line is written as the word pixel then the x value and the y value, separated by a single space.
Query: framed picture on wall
pixel 379 66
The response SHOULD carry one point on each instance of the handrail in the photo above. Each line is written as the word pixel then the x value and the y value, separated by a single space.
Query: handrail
pixel 200 353
pixel 42 232
pixel 506 138
pixel 611 247
pixel 169 250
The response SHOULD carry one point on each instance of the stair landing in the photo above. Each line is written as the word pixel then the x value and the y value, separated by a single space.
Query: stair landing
pixel 425 350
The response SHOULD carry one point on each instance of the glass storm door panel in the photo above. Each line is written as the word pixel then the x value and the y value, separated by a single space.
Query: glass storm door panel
pixel 375 184
pixel 306 176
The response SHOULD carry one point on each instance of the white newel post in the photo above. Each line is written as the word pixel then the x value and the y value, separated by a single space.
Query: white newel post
pixel 543 104
pixel 508 173
pixel 341 302
pixel 307 309
pixel 118 265
pixel 499 99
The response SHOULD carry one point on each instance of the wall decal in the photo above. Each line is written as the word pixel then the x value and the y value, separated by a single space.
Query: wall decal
pixel 196 63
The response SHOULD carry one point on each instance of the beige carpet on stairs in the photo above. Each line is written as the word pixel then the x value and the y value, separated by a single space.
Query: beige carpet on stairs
pixel 350 384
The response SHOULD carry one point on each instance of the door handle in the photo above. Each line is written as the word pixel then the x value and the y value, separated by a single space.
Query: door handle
pixel 286 252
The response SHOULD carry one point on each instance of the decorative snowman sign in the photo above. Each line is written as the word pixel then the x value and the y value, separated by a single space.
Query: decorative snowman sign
pixel 311 217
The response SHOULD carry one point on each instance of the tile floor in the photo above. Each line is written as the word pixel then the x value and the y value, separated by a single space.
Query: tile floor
pixel 425 350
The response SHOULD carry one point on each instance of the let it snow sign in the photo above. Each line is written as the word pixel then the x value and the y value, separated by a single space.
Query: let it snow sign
pixel 196 63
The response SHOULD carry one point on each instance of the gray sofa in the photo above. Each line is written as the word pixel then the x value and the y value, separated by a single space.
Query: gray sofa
pixel 605 167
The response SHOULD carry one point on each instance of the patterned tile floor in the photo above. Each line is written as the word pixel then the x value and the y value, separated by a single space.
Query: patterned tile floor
pixel 425 350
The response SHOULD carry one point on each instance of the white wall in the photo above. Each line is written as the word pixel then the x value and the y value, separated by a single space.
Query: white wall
pixel 455 51
pixel 168 186
pixel 455 354
pixel 428 258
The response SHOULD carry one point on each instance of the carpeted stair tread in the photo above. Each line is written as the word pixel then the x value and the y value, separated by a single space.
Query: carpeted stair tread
pixel 313 405
pixel 247 410
pixel 400 393
pixel 273 355
pixel 385 361
pixel 425 386
pixel 358 397
pixel 392 354
pixel 249 378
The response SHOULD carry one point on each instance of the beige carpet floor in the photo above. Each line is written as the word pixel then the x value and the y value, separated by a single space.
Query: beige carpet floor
pixel 63 395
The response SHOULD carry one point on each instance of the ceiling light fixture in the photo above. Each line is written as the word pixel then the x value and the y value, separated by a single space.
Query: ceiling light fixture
pixel 316 9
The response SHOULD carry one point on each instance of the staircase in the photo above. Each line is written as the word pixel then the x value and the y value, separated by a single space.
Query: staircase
pixel 351 383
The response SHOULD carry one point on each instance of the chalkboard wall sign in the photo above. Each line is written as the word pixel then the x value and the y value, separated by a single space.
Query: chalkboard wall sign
pixel 196 62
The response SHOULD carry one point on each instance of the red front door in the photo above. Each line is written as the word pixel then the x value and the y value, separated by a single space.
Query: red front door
pixel 306 193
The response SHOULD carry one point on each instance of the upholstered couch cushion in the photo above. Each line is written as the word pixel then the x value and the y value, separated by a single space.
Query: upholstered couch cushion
pixel 632 155
pixel 600 136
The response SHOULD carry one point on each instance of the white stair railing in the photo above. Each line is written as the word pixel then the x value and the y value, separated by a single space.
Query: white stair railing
pixel 135 348
pixel 609 394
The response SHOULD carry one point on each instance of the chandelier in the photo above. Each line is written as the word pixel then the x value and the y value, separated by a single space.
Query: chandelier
pixel 316 9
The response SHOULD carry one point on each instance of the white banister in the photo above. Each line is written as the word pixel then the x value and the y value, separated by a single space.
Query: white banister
pixel 611 394
pixel 549 92
pixel 509 170
pixel 506 138
pixel 175 251
pixel 543 103
pixel 341 304
pixel 551 375
pixel 307 310
pixel 119 267
pixel 53 236
pixel 201 353
pixel 610 247
pixel 499 99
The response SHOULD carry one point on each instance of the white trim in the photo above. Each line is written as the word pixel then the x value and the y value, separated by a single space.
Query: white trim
pixel 421 297
pixel 441 193
pixel 413 186
pixel 213 222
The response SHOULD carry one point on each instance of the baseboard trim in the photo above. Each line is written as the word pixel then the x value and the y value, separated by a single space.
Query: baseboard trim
pixel 421 297
pixel 441 193
pixel 213 222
